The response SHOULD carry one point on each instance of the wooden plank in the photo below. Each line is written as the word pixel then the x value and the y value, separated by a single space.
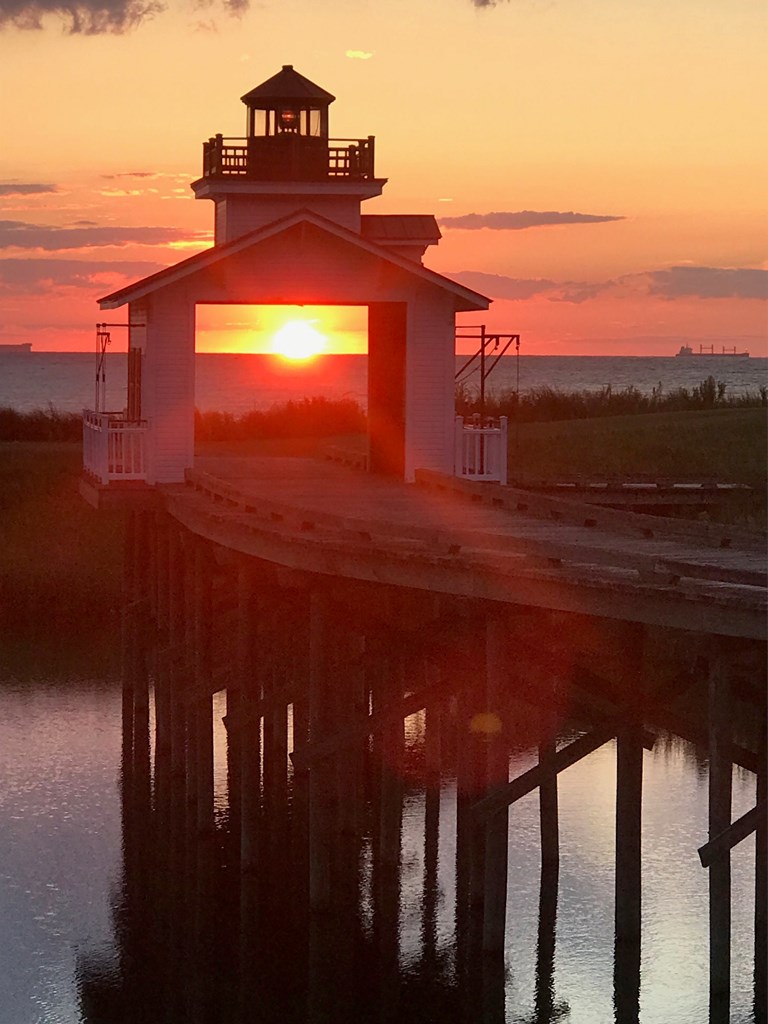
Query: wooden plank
pixel 709 608
pixel 732 836
pixel 498 801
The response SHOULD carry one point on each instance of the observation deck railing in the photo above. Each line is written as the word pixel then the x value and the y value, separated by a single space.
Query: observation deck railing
pixel 113 447
pixel 289 157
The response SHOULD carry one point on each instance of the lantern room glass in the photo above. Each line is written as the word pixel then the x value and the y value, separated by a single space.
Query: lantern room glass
pixel 286 119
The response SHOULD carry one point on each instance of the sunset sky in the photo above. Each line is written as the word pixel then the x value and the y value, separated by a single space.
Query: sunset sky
pixel 598 167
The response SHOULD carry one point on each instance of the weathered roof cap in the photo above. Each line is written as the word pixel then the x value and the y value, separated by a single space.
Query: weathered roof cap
pixel 287 84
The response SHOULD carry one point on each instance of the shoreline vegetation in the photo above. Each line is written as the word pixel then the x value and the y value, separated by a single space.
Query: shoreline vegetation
pixel 323 417
pixel 61 561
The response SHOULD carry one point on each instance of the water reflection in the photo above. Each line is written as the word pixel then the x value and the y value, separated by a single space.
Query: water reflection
pixel 146 927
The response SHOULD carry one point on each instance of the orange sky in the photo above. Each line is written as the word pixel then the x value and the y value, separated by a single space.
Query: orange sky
pixel 597 165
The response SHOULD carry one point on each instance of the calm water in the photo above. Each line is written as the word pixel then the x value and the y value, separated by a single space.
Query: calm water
pixel 237 383
pixel 63 883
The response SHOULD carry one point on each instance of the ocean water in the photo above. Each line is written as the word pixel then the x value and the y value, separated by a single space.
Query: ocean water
pixel 239 383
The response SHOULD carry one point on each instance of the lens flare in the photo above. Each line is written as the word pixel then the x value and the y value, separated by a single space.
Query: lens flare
pixel 298 339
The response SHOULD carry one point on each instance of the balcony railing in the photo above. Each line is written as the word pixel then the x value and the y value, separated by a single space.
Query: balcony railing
pixel 113 447
pixel 481 450
pixel 289 158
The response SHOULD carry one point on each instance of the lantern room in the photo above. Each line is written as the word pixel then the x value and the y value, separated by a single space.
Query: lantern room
pixel 287 128
pixel 286 161
pixel 287 104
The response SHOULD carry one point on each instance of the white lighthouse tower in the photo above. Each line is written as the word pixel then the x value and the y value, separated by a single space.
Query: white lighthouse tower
pixel 289 231
pixel 286 162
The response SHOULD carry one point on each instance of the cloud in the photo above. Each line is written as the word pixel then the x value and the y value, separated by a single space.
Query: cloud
pixel 522 219
pixel 93 17
pixel 22 235
pixel 86 17
pixel 358 54
pixel 516 289
pixel 11 189
pixel 500 287
pixel 673 283
pixel 709 283
pixel 40 276
pixel 132 174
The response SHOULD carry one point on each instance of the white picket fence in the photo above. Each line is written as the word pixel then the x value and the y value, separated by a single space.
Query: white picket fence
pixel 113 447
pixel 481 450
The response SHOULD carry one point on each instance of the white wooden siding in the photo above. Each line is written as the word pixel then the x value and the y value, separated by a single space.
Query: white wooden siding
pixel 429 391
pixel 169 386
pixel 302 265
pixel 237 215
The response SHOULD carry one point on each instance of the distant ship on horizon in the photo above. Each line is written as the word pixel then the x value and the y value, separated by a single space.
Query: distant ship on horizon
pixel 709 350
pixel 22 348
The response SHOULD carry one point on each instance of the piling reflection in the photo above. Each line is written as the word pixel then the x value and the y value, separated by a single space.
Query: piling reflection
pixel 290 904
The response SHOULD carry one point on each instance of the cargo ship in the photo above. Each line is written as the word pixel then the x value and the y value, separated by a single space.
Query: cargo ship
pixel 709 350
pixel 23 348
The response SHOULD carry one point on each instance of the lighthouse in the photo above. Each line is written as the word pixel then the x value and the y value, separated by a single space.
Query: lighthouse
pixel 286 162
pixel 289 230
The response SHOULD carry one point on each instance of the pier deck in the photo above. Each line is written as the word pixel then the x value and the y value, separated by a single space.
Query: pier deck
pixel 481 541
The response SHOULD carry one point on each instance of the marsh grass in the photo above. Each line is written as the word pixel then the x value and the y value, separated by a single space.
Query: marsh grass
pixel 728 445
pixel 725 445
pixel 48 424
pixel 548 404
pixel 307 417
pixel 60 560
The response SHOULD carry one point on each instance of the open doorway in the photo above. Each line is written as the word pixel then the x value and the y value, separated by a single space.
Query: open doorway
pixel 252 358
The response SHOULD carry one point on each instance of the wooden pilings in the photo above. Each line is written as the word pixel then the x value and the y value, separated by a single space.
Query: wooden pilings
pixel 720 784
pixel 496 838
pixel 628 879
pixel 311 669
pixel 761 881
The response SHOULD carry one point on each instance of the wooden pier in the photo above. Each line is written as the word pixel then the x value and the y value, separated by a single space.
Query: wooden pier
pixel 331 605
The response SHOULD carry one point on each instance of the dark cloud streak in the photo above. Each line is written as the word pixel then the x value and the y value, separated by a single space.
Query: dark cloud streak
pixel 709 283
pixel 22 235
pixel 11 189
pixel 522 219
pixel 673 283
pixel 92 17
pixel 39 276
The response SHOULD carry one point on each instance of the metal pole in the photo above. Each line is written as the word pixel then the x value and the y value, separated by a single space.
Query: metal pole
pixel 482 375
pixel 517 393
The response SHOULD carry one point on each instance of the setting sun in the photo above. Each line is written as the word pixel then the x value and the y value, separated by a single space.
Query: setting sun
pixel 298 339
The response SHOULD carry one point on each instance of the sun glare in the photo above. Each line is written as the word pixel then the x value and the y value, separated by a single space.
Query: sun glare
pixel 298 339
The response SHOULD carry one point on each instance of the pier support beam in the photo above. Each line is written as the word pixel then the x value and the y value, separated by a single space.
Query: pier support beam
pixel 720 789
pixel 496 828
pixel 628 876
pixel 322 778
pixel 761 885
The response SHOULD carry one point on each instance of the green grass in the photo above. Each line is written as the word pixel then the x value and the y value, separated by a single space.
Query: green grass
pixel 717 445
pixel 728 445
pixel 60 560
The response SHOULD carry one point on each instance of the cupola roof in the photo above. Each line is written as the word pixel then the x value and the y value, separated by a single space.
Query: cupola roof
pixel 287 84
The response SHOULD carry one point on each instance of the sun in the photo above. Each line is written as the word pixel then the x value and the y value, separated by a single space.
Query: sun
pixel 298 339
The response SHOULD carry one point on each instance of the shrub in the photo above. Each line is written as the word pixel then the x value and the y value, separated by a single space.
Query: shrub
pixel 307 417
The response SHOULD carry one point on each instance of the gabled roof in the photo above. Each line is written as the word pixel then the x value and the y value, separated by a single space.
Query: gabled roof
pixel 400 227
pixel 287 85
pixel 209 257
